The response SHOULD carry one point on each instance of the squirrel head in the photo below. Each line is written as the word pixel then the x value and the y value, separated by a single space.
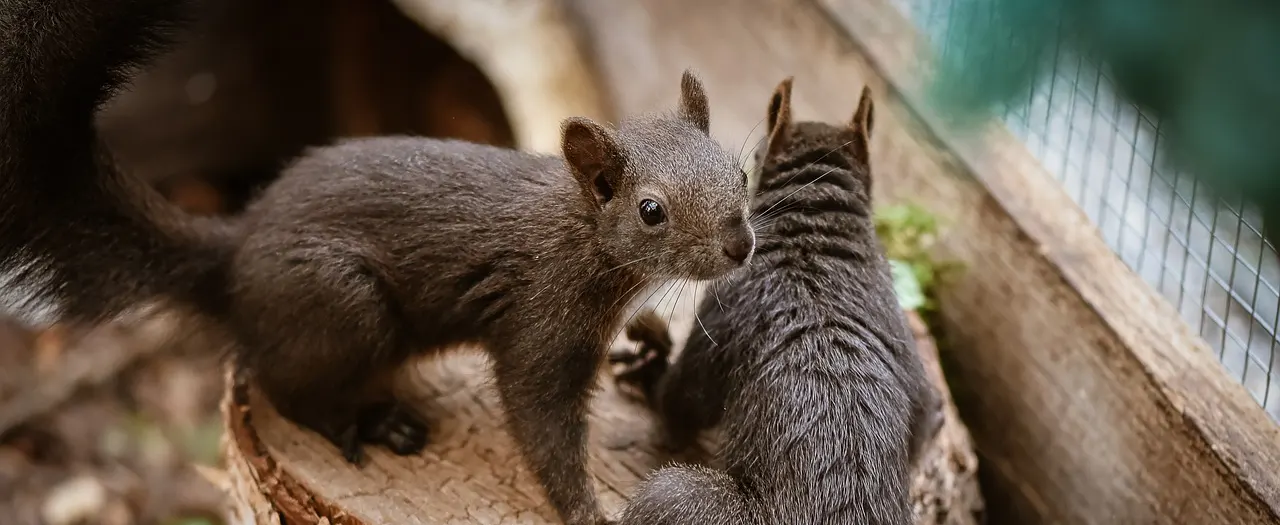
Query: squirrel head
pixel 788 140
pixel 668 200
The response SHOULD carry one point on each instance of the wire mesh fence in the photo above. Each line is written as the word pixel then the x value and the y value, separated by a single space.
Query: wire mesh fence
pixel 1206 255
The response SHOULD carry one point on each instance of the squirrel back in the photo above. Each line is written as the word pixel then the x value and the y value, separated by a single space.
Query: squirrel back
pixel 79 238
pixel 804 358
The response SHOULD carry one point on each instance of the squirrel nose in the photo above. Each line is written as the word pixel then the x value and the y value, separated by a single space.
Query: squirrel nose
pixel 739 247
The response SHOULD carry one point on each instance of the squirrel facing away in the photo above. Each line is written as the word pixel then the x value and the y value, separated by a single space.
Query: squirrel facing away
pixel 365 253
pixel 804 358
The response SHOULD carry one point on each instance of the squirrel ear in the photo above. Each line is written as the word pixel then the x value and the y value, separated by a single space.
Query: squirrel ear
pixel 864 117
pixel 694 108
pixel 863 120
pixel 593 156
pixel 779 117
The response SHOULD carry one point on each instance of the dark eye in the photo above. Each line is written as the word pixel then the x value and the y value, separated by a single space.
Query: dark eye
pixel 744 177
pixel 651 212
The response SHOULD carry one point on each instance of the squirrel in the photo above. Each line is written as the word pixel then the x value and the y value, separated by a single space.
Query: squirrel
pixel 366 252
pixel 804 358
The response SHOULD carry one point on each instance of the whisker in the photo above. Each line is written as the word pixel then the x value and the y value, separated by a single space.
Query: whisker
pixel 716 295
pixel 748 137
pixel 810 183
pixel 639 308
pixel 645 258
pixel 674 304
pixel 627 294
pixel 767 216
pixel 742 159
pixel 760 223
pixel 797 173
pixel 666 294
pixel 704 329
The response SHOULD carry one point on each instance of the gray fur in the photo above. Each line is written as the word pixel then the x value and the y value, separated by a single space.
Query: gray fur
pixel 365 253
pixel 804 358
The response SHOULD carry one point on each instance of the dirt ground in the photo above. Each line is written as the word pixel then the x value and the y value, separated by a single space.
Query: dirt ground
pixel 102 426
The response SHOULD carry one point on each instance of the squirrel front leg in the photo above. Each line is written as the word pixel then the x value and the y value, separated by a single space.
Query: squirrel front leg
pixel 545 387
pixel 689 395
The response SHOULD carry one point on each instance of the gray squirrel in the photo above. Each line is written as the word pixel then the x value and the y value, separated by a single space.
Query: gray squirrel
pixel 804 358
pixel 365 253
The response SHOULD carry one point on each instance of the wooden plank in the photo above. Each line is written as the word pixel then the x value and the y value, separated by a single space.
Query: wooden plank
pixel 1239 444
pixel 1090 399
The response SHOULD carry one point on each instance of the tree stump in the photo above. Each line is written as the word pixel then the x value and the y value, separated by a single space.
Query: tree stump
pixel 471 473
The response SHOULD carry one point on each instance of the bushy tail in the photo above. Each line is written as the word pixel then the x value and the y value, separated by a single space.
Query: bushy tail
pixel 78 238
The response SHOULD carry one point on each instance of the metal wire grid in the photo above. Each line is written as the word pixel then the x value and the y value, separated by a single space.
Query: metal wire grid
pixel 1205 255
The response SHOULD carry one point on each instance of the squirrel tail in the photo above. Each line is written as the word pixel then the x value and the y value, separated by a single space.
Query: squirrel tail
pixel 78 238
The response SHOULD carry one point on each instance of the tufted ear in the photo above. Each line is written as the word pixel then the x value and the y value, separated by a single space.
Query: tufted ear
pixel 779 119
pixel 694 108
pixel 862 121
pixel 593 156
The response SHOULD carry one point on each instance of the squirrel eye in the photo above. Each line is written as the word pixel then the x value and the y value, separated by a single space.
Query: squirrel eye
pixel 744 177
pixel 651 212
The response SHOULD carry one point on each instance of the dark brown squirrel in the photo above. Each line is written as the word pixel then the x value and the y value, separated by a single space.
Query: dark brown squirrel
pixel 365 253
pixel 804 358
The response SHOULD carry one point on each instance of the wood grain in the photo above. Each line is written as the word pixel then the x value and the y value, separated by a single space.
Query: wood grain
pixel 471 473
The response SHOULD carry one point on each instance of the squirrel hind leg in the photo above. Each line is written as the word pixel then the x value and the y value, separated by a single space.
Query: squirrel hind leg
pixel 324 344
pixel 350 421
pixel 333 418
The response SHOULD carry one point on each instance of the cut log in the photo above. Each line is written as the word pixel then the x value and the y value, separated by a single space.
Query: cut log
pixel 471 472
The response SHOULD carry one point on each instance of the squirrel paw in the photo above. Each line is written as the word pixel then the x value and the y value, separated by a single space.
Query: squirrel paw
pixel 646 366
pixel 641 368
pixel 394 426
pixel 348 441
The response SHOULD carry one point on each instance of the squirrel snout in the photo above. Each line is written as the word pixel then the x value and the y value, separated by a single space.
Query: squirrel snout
pixel 739 247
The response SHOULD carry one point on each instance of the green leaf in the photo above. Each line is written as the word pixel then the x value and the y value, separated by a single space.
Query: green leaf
pixel 906 286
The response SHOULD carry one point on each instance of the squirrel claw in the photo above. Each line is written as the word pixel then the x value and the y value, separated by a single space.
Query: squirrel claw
pixel 635 365
pixel 352 449
pixel 642 370
pixel 631 360
pixel 395 427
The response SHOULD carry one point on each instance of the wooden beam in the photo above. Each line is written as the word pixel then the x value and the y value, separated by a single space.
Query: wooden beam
pixel 1091 401
pixel 1228 454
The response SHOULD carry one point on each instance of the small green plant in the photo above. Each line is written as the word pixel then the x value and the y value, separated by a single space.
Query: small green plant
pixel 908 232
